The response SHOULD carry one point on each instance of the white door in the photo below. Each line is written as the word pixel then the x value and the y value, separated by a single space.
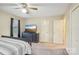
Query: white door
pixel 75 31
pixel 44 33
pixel 58 31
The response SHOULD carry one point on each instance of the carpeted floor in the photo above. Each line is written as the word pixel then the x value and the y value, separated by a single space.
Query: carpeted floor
pixel 38 49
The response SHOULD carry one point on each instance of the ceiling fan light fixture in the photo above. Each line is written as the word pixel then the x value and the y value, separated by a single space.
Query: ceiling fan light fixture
pixel 24 10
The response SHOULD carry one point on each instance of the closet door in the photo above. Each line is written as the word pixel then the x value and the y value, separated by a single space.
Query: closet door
pixel 75 31
pixel 44 32
pixel 58 31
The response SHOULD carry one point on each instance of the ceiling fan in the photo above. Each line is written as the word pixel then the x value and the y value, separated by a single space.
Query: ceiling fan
pixel 26 7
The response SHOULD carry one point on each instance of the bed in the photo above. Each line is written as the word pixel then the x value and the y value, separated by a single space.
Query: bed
pixel 9 46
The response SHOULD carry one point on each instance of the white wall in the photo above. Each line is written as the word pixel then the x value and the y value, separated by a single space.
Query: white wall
pixel 44 27
pixel 68 31
pixel 5 23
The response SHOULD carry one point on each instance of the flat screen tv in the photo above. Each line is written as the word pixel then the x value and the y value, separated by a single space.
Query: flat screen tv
pixel 30 28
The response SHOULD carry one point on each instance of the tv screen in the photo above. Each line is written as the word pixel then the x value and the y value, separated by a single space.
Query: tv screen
pixel 31 28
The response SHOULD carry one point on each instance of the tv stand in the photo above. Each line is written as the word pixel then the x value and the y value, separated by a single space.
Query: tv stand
pixel 30 37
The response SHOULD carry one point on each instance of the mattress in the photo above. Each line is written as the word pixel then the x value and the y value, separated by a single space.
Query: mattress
pixel 17 46
pixel 6 51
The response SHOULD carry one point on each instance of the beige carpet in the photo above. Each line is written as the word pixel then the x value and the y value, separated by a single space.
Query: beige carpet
pixel 43 49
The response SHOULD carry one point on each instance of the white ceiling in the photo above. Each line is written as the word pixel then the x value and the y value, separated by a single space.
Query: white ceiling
pixel 44 9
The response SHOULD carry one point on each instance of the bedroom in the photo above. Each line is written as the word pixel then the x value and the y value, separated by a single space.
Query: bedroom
pixel 50 21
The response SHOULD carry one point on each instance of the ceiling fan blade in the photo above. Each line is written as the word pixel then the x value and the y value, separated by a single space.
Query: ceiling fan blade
pixel 34 8
pixel 24 5
pixel 17 8
pixel 27 12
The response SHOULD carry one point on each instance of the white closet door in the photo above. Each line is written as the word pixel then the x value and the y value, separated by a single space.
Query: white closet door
pixel 44 33
pixel 75 31
pixel 58 31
